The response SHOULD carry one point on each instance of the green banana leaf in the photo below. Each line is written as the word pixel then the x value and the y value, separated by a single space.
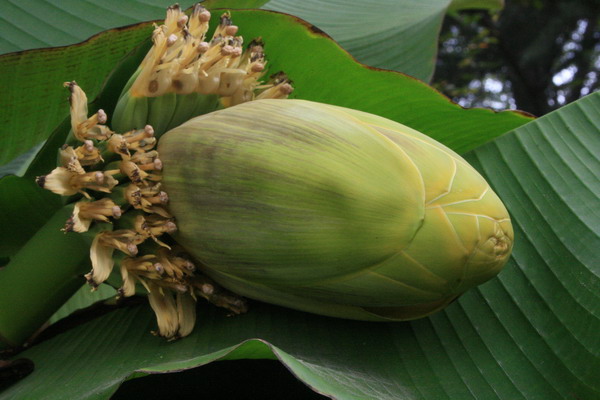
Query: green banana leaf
pixel 312 61
pixel 528 334
pixel 83 298
pixel 493 5
pixel 23 209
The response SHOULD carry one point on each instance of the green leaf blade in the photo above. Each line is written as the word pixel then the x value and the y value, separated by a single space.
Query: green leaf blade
pixel 390 94
pixel 492 5
pixel 32 24
pixel 529 334
pixel 395 35
pixel 556 239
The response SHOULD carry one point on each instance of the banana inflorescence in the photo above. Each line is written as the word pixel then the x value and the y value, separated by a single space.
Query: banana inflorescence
pixel 306 205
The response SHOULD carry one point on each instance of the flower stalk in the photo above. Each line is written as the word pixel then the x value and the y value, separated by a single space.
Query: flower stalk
pixel 51 278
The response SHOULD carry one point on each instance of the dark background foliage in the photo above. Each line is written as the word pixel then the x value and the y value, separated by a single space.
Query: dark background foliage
pixel 536 55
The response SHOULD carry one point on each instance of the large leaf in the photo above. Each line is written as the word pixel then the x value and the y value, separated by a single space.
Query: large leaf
pixel 531 333
pixel 391 34
pixel 494 5
pixel 19 165
pixel 31 107
pixel 82 299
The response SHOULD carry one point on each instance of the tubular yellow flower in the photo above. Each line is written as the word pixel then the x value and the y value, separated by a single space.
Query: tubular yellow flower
pixel 186 313
pixel 133 172
pixel 59 181
pixel 138 269
pixel 69 159
pixel 88 154
pixel 87 211
pixel 173 266
pixel 214 293
pixel 209 74
pixel 149 199
pixel 141 139
pixel 85 128
pixel 102 262
pixel 65 182
pixel 147 161
pixel 279 88
pixel 118 145
pixel 102 250
pixel 165 307
pixel 129 280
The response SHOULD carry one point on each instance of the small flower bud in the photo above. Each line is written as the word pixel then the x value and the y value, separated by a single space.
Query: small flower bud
pixel 207 289
pixel 85 212
pixel 231 30
pixel 204 16
pixel 257 67
pixel 202 47
pixel 159 268
pixel 102 116
pixel 182 21
pixel 99 177
pixel 226 50
pixel 116 212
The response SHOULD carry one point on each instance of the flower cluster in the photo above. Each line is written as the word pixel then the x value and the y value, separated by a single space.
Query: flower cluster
pixel 182 61
pixel 168 275
pixel 119 175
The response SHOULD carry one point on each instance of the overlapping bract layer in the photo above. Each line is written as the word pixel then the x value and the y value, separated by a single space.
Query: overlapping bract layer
pixel 331 210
